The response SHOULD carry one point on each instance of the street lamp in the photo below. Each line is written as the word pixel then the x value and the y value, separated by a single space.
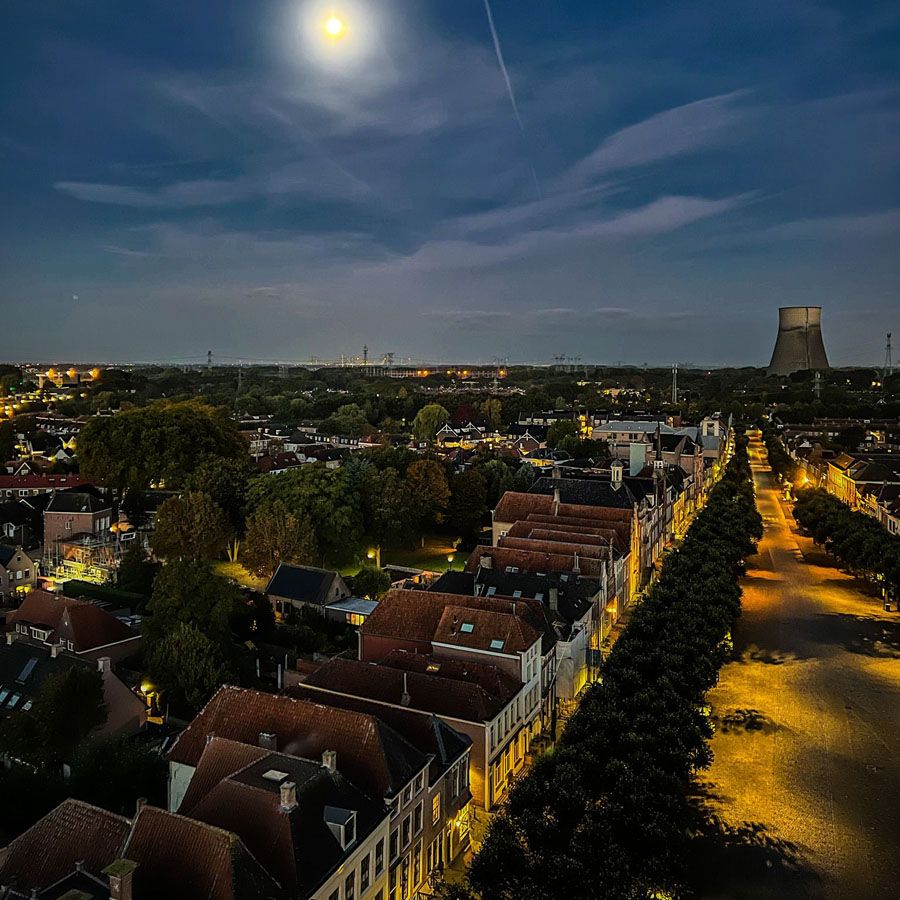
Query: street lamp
pixel 375 553
pixel 450 560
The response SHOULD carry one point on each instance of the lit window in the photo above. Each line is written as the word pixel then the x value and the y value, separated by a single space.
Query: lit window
pixel 436 809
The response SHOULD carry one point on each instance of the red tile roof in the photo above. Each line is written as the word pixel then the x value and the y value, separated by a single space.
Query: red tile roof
pixel 533 561
pixel 514 506
pixel 49 849
pixel 414 615
pixel 45 482
pixel 221 758
pixel 179 857
pixel 454 698
pixel 84 623
pixel 374 757
pixel 491 631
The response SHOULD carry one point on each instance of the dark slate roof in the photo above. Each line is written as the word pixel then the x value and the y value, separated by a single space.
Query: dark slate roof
pixel 454 582
pixel 575 593
pixel 302 583
pixel 586 492
pixel 6 554
pixel 76 502
pixel 16 662
pixel 296 845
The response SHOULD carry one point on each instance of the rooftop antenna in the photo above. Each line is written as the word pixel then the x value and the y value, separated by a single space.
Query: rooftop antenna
pixel 888 359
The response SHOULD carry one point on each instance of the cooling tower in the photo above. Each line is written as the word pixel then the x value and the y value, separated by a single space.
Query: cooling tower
pixel 799 345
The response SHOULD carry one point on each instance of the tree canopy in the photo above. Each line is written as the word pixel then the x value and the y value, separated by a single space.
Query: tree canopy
pixel 189 591
pixel 323 497
pixel 160 443
pixel 276 535
pixel 68 707
pixel 190 527
pixel 429 420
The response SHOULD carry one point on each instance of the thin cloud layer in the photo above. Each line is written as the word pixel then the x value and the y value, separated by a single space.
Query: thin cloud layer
pixel 700 166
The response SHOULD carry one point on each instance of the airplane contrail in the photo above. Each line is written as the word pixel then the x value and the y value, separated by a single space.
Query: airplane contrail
pixel 509 87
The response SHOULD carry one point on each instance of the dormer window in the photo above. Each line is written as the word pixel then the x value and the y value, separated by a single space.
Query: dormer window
pixel 342 824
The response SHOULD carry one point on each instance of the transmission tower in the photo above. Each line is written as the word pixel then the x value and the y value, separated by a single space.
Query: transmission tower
pixel 209 360
pixel 888 359
pixel 365 354
pixel 675 382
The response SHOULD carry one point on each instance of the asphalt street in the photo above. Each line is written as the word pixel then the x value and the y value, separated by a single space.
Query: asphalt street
pixel 805 782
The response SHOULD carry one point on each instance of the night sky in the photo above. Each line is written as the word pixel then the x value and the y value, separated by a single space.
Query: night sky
pixel 180 176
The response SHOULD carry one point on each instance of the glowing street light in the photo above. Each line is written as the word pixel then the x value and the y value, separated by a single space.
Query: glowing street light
pixel 334 26
pixel 450 560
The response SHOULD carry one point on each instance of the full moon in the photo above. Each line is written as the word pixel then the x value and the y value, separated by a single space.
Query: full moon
pixel 334 26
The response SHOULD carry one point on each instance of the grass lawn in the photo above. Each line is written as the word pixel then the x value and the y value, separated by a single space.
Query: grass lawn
pixel 240 575
pixel 433 556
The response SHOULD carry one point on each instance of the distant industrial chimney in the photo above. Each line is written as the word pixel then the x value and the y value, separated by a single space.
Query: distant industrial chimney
pixel 799 345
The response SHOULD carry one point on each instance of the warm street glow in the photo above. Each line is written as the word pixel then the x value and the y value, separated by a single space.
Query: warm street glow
pixel 334 26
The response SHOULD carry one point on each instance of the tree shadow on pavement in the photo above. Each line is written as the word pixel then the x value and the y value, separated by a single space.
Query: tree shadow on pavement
pixel 768 657
pixel 865 635
pixel 744 861
pixel 744 720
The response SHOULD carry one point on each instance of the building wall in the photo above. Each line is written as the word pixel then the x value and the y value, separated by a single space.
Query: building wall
pixel 60 526
pixel 352 868
pixel 180 775
pixel 20 572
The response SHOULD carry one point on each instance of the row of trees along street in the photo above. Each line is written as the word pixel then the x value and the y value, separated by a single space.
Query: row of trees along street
pixel 855 540
pixel 607 812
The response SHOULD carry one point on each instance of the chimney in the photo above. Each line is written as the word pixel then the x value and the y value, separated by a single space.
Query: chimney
pixel 557 472
pixel 556 501
pixel 267 740
pixel 104 664
pixel 10 636
pixel 405 699
pixel 54 650
pixel 329 760
pixel 576 566
pixel 616 472
pixel 139 804
pixel 209 737
pixel 288 796
pixel 121 875
pixel 486 562
pixel 554 599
